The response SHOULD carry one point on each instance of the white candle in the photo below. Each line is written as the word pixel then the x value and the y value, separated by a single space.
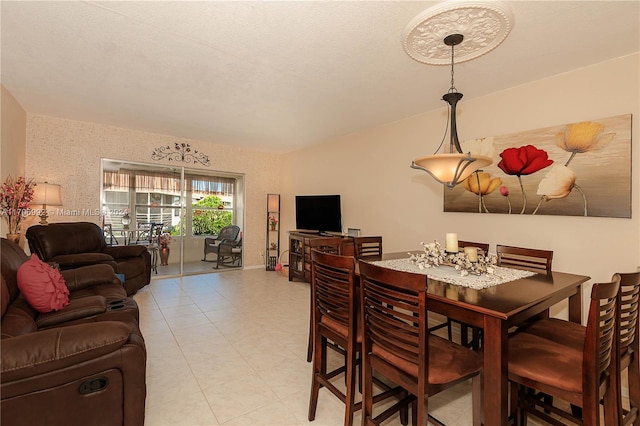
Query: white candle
pixel 472 253
pixel 452 243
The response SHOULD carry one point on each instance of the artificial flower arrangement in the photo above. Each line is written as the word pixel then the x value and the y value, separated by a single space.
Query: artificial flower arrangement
pixel 273 221
pixel 14 200
pixel 164 239
pixel 434 255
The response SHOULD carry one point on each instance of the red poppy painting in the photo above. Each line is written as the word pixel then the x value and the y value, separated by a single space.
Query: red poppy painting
pixel 577 169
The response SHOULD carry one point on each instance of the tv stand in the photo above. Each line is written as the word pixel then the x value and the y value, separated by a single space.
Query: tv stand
pixel 300 252
pixel 329 234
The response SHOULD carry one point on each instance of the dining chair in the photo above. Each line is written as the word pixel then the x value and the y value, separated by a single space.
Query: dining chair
pixel 573 334
pixel 397 345
pixel 327 244
pixel 107 228
pixel 476 338
pixel 628 354
pixel 333 245
pixel 575 370
pixel 368 248
pixel 535 260
pixel 334 287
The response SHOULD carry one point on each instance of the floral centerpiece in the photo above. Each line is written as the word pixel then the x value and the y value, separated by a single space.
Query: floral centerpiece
pixel 14 200
pixel 434 255
pixel 164 239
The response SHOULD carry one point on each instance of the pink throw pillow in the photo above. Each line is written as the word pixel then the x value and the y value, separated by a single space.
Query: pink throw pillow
pixel 42 286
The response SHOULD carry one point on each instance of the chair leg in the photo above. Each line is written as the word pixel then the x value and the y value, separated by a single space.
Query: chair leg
pixel 367 391
pixel 513 402
pixel 464 335
pixel 351 384
pixel 633 373
pixel 521 410
pixel 315 384
pixel 476 399
pixel 414 413
pixel 310 344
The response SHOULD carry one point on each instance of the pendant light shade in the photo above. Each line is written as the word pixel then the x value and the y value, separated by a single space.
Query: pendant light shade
pixel 450 169
pixel 454 166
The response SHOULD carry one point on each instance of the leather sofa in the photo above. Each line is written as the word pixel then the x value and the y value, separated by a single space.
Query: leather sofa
pixel 84 364
pixel 75 244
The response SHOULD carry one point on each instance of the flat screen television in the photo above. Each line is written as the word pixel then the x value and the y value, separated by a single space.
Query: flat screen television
pixel 320 213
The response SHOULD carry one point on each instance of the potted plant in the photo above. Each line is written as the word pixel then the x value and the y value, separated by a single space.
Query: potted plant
pixel 273 221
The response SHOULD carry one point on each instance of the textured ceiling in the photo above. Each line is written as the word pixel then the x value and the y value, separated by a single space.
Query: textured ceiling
pixel 275 75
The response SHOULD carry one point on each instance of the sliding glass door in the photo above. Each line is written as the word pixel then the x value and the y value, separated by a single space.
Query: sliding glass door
pixel 150 204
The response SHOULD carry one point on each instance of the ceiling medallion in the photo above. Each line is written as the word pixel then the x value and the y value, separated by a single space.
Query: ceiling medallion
pixel 484 26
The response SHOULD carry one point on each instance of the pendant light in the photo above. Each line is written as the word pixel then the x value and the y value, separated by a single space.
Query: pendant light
pixel 452 167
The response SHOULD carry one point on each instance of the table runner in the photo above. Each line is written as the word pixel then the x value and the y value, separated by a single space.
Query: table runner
pixel 449 275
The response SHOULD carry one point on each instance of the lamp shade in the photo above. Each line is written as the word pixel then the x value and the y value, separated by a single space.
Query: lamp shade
pixel 47 194
pixel 273 203
pixel 451 169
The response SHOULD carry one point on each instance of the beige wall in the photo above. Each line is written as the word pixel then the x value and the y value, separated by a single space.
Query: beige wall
pixel 382 195
pixel 12 144
pixel 69 152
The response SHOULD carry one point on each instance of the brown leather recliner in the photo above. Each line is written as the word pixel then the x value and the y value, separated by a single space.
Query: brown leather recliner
pixel 75 244
pixel 84 364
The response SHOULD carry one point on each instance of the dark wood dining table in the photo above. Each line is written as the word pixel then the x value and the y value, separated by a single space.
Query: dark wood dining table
pixel 495 310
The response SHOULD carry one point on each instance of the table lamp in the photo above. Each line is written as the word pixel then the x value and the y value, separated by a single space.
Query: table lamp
pixel 46 194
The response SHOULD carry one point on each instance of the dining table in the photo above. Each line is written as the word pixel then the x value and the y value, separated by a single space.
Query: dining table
pixel 496 309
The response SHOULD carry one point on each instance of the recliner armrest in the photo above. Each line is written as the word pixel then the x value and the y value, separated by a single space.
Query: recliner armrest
pixel 83 307
pixel 120 252
pixel 70 261
pixel 49 350
pixel 89 276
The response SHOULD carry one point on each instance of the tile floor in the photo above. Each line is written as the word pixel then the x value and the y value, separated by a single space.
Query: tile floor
pixel 229 348
pixel 195 267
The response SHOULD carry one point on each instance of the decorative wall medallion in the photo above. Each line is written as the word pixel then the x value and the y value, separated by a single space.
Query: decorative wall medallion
pixel 180 152
pixel 484 26
pixel 576 169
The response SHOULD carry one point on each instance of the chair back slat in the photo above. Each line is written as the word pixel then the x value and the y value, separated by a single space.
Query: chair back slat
pixel 327 244
pixel 628 309
pixel 394 311
pixel 333 287
pixel 368 247
pixel 482 246
pixel 600 332
pixel 628 346
pixel 535 260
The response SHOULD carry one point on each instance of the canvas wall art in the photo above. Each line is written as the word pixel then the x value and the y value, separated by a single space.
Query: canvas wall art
pixel 575 169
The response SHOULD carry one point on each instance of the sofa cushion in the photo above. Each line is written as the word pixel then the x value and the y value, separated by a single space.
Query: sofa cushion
pixel 42 286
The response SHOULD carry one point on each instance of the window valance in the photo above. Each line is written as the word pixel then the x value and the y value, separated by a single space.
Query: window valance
pixel 126 179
